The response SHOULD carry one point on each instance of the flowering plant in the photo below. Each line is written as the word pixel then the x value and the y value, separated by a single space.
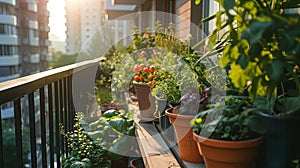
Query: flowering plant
pixel 149 74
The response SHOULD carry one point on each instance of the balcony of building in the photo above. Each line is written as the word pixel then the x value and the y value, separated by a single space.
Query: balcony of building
pixel 116 10
pixel 8 19
pixel 10 60
pixel 34 58
pixel 51 92
pixel 11 2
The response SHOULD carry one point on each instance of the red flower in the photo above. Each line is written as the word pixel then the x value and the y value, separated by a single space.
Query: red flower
pixel 142 78
pixel 152 69
pixel 143 53
pixel 151 76
pixel 136 78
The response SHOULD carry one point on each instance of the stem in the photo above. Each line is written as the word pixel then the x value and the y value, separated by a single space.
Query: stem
pixel 273 4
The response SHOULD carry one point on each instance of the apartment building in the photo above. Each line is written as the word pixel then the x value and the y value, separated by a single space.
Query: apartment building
pixel 23 41
pixel 186 14
pixel 82 20
pixel 9 41
pixel 23 38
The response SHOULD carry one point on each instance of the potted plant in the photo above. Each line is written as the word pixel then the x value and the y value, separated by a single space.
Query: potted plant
pixel 180 116
pixel 105 142
pixel 114 132
pixel 167 94
pixel 84 151
pixel 146 77
pixel 223 135
pixel 261 52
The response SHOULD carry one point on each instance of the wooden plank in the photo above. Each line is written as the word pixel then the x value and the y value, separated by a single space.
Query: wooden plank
pixel 154 150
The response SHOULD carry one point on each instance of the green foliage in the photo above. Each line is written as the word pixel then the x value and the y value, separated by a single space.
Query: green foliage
pixel 113 131
pixel 9 144
pixel 296 163
pixel 84 151
pixel 229 121
pixel 103 95
pixel 60 59
pixel 261 50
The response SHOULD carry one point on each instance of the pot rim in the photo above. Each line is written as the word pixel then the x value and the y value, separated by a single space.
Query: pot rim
pixel 170 114
pixel 227 144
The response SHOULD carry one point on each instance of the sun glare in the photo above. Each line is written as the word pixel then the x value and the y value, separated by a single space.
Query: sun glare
pixel 57 18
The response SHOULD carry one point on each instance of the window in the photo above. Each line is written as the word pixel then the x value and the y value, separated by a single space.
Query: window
pixel 14 69
pixel 6 50
pixel 8 29
pixel 3 9
pixel 2 29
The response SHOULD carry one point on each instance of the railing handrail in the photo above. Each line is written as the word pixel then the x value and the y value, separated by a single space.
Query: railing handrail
pixel 16 88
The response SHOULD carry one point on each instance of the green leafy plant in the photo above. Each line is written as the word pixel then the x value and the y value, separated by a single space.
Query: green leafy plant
pixel 84 151
pixel 229 121
pixel 261 45
pixel 113 131
pixel 8 134
pixel 296 163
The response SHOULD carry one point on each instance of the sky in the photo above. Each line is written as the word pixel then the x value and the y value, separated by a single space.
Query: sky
pixel 57 18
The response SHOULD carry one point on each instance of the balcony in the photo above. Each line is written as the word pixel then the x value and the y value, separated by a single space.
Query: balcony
pixel 11 60
pixel 35 58
pixel 8 19
pixel 8 39
pixel 54 88
pixel 49 57
pixel 115 11
pixel 11 2
pixel 34 41
pixel 128 2
pixel 47 43
pixel 33 24
pixel 10 77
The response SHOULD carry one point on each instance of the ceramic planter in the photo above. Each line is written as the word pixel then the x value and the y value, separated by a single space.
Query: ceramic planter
pixel 163 120
pixel 146 101
pixel 184 134
pixel 228 154
pixel 282 141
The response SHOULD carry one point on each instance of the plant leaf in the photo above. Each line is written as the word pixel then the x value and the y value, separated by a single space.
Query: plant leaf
pixel 119 125
pixel 229 4
pixel 197 2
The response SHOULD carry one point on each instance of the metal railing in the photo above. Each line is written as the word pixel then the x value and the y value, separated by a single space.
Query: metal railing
pixel 55 107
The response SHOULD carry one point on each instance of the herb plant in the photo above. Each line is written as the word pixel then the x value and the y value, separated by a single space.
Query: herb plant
pixel 85 152
pixel 229 121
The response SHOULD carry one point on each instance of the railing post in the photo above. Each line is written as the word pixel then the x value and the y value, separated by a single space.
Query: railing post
pixel 57 128
pixel 1 142
pixel 51 125
pixel 32 130
pixel 18 132
pixel 43 127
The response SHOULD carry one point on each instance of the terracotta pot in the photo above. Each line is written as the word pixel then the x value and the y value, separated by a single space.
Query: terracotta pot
pixel 184 134
pixel 228 154
pixel 146 101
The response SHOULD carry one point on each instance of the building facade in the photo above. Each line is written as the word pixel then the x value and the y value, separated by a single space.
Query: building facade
pixel 9 41
pixel 82 20
pixel 24 41
pixel 23 38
